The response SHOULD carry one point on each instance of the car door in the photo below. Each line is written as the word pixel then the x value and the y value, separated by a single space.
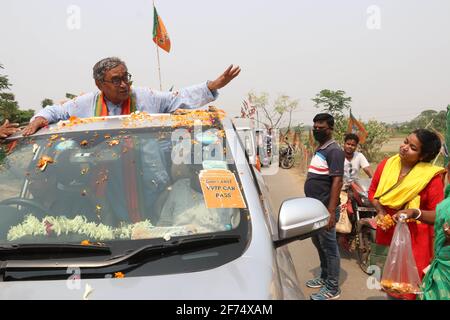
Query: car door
pixel 286 268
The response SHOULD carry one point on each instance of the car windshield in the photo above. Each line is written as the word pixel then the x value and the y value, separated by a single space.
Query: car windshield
pixel 118 185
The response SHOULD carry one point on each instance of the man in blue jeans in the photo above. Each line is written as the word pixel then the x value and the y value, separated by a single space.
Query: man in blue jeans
pixel 324 183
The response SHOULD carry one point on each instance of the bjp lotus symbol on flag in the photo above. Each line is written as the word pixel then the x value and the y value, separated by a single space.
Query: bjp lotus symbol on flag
pixel 160 35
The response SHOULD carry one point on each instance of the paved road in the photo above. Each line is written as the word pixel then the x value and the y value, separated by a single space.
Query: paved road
pixel 286 184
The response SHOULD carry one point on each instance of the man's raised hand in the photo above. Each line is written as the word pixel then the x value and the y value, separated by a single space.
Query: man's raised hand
pixel 229 74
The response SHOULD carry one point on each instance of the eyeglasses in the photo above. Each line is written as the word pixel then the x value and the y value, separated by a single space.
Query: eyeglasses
pixel 117 81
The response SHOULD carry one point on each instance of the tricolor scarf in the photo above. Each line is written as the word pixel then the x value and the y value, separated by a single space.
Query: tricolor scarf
pixel 405 194
pixel 129 176
pixel 128 106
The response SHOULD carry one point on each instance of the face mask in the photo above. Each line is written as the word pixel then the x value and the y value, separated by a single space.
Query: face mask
pixel 321 136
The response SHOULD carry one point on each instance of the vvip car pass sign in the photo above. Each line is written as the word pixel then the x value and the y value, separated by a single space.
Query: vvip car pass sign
pixel 221 189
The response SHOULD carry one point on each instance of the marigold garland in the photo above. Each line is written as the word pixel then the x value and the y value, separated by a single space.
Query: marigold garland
pixel 32 226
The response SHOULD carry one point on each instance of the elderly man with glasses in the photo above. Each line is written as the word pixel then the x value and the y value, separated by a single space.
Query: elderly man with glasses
pixel 117 97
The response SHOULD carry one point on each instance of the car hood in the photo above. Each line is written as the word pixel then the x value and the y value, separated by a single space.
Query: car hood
pixel 234 280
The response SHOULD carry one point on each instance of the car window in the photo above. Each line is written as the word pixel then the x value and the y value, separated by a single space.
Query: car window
pixel 118 185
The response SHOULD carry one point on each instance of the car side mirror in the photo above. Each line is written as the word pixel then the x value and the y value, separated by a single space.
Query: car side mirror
pixel 300 218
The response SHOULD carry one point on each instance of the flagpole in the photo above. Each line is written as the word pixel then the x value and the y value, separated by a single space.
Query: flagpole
pixel 159 68
pixel 349 121
pixel 157 57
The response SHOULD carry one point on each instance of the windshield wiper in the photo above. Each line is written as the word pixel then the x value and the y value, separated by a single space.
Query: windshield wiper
pixel 33 248
pixel 179 245
pixel 134 257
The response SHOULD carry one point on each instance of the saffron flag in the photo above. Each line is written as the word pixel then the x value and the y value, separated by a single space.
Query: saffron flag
pixel 160 35
pixel 355 126
pixel 248 109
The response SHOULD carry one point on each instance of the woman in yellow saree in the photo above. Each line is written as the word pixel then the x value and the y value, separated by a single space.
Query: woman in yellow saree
pixel 436 283
pixel 409 181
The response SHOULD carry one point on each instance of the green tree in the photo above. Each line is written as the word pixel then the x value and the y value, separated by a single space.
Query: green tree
pixel 7 96
pixel 23 116
pixel 9 108
pixel 273 113
pixel 4 82
pixel 378 134
pixel 335 103
pixel 47 102
pixel 429 118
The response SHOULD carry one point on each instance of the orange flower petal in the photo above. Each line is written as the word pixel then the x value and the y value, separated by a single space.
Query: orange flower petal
pixel 113 142
pixel 43 161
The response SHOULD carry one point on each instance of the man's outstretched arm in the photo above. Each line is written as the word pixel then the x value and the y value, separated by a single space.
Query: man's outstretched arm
pixel 55 113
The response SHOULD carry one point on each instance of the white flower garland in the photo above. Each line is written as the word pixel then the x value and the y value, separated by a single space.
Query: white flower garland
pixel 31 226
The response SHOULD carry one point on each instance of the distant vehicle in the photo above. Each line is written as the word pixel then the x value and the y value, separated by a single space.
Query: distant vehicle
pixel 248 138
pixel 106 203
pixel 257 143
pixel 264 147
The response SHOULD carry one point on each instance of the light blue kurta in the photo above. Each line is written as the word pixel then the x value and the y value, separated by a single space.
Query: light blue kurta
pixel 147 100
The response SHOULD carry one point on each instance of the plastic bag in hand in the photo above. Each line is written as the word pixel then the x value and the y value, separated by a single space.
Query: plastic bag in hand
pixel 400 274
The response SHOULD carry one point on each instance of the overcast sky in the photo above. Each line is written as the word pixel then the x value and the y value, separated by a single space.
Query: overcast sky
pixel 392 57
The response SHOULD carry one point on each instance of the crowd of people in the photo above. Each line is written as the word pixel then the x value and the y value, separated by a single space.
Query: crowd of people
pixel 406 183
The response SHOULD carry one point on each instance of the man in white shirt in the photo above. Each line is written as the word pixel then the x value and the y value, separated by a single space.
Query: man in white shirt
pixel 354 160
pixel 116 96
